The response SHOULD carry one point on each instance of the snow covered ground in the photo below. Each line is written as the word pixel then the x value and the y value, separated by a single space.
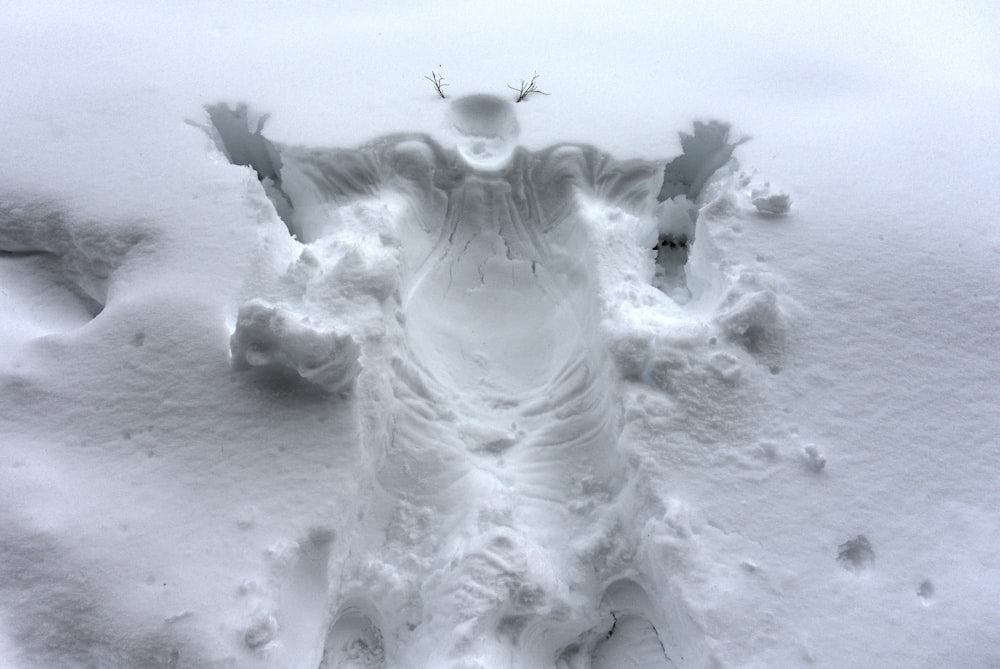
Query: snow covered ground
pixel 464 383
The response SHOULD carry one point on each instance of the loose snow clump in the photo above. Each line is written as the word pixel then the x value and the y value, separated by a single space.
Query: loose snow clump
pixel 271 337
pixel 775 204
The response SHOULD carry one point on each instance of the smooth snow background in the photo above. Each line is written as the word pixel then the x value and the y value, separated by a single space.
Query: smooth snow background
pixel 881 122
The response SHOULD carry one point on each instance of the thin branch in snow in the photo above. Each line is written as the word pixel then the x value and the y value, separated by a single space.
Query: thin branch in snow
pixel 527 88
pixel 438 82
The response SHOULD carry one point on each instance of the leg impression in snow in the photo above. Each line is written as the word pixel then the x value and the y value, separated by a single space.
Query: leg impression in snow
pixel 492 537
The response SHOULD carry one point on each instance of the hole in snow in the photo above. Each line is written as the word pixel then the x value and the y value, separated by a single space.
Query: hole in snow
pixel 670 271
pixel 353 642
pixel 926 591
pixel 237 133
pixel 684 178
pixel 856 555
pixel 485 130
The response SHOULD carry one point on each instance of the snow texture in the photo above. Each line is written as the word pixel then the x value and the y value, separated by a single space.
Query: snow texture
pixel 304 367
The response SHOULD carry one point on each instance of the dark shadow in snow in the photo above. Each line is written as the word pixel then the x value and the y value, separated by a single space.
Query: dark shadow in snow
pixel 239 137
pixel 671 260
pixel 38 279
pixel 51 252
pixel 705 151
pixel 684 178
pixel 285 383
pixel 856 555
pixel 242 142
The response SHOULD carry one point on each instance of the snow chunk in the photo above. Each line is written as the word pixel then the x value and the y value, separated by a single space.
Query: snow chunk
pixel 273 337
pixel 774 204
pixel 750 314
pixel 814 459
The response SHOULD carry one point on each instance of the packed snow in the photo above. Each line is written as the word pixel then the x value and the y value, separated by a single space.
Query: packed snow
pixel 688 360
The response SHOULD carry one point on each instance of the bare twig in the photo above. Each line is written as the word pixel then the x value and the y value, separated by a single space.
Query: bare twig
pixel 438 82
pixel 527 88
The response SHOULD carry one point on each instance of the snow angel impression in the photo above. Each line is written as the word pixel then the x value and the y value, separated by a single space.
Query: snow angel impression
pixel 502 416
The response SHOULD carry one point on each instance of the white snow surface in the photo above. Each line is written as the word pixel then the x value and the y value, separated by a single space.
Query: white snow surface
pixel 449 389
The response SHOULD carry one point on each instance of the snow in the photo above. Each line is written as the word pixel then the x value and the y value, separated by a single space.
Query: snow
pixel 583 381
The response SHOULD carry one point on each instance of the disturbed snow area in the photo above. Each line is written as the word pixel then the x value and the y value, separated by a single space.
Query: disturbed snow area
pixel 498 385
pixel 482 321
pixel 504 306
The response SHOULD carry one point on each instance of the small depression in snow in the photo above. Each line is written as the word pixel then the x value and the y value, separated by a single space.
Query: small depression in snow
pixel 485 130
pixel 55 270
pixel 37 299
pixel 857 555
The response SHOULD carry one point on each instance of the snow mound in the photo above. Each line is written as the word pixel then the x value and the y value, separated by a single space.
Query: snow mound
pixel 775 204
pixel 275 339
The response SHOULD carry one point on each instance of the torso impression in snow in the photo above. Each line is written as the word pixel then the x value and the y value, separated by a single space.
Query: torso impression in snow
pixel 504 407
